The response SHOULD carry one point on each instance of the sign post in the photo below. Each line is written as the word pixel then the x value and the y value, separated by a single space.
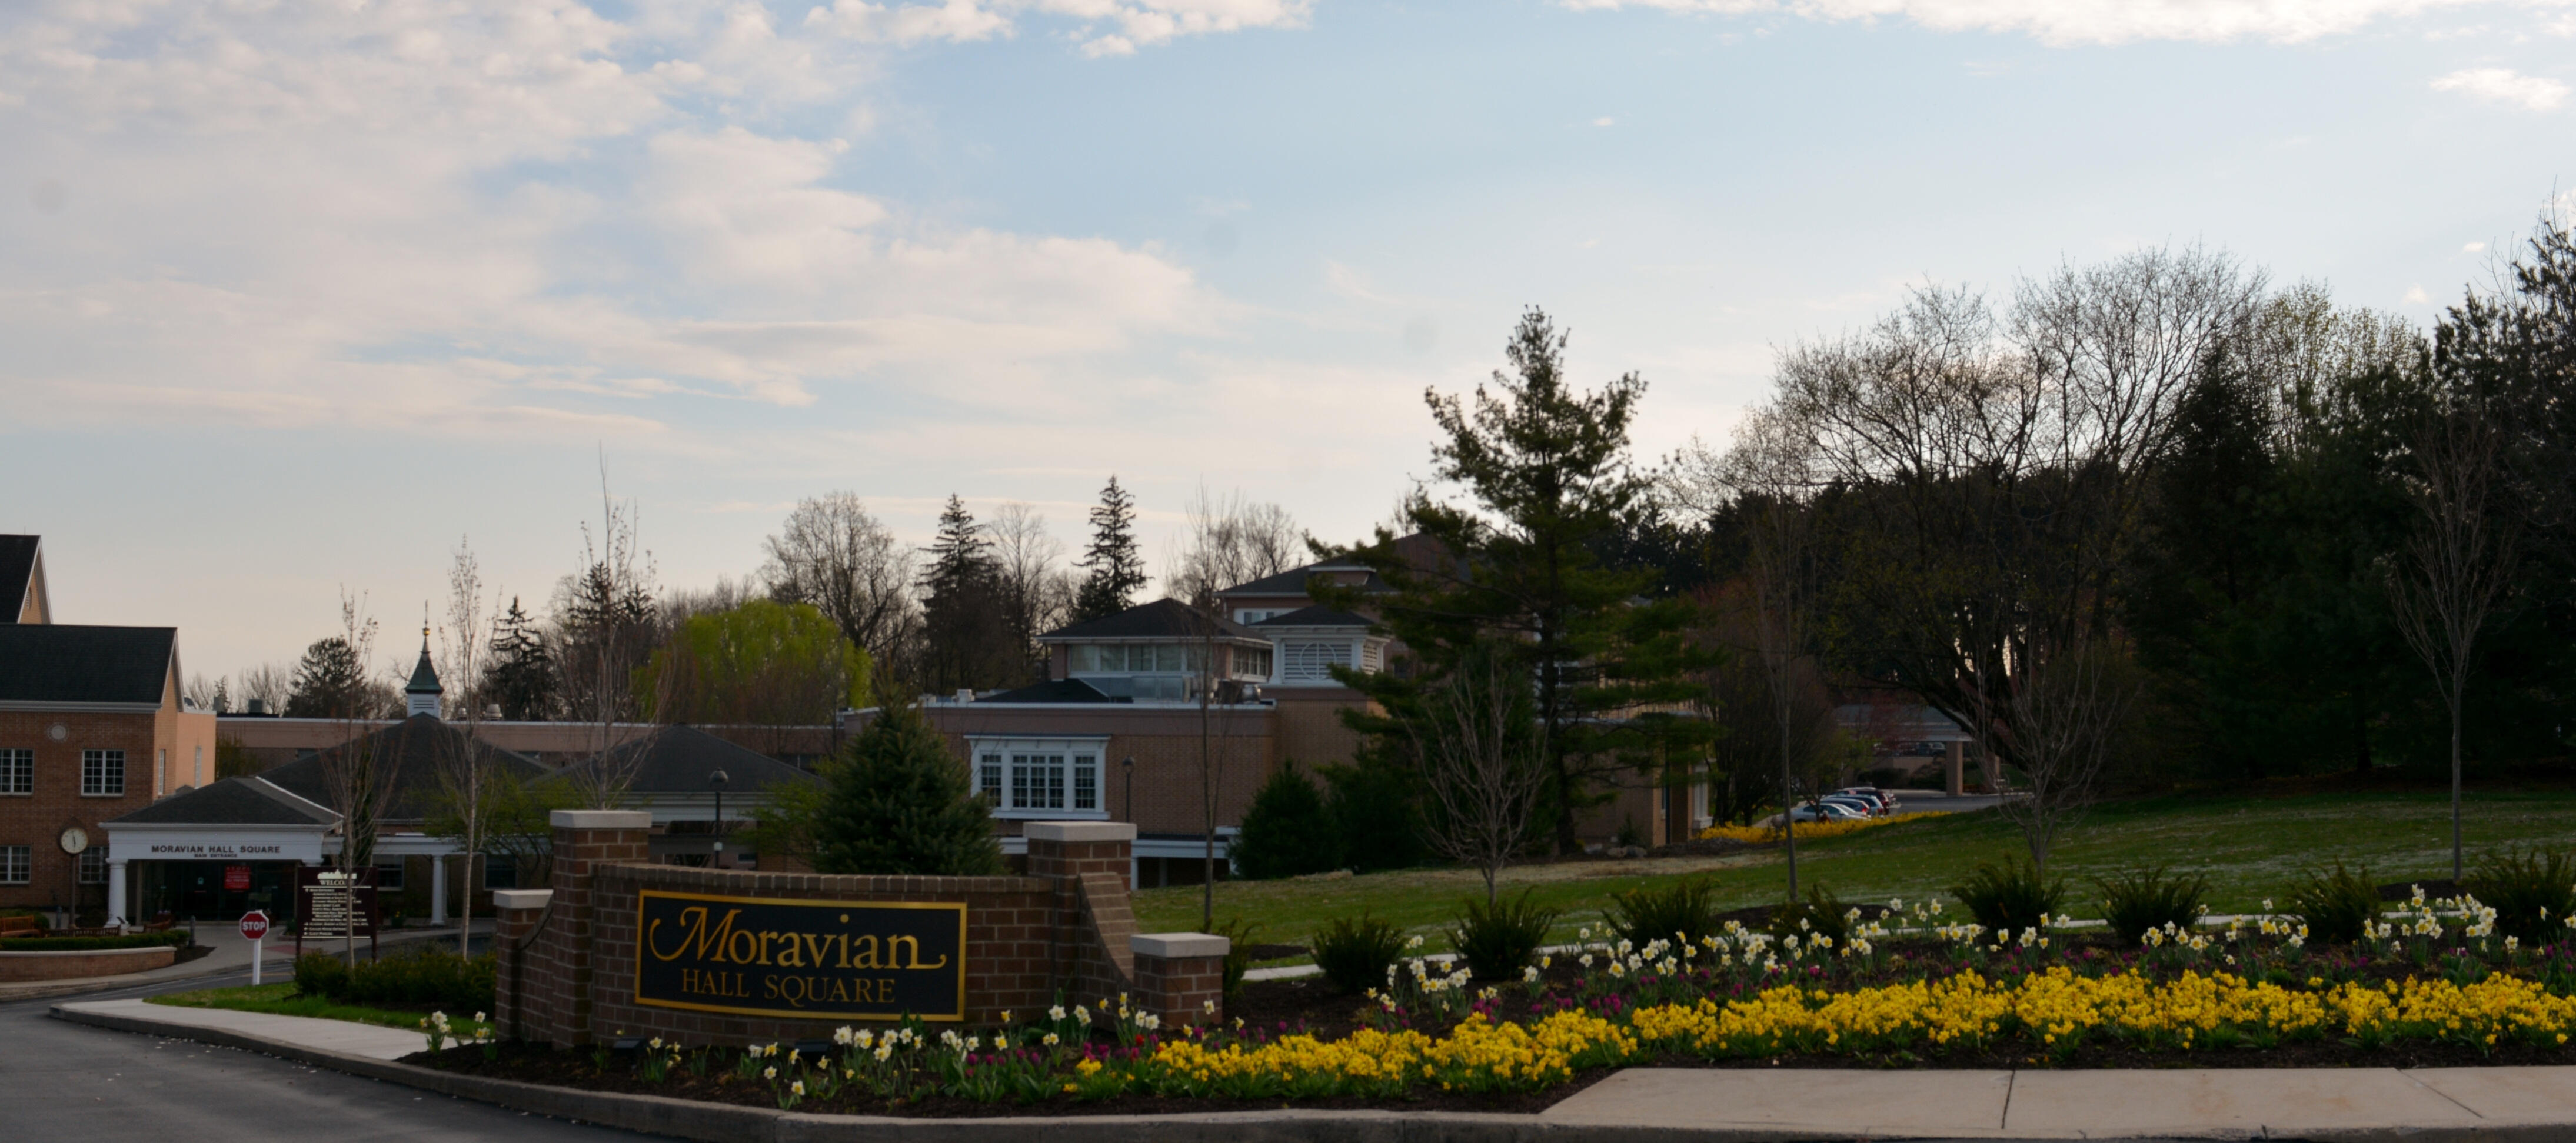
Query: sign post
pixel 254 924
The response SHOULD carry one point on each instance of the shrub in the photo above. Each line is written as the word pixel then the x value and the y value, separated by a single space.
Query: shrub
pixel 1286 830
pixel 2010 897
pixel 320 974
pixel 1498 940
pixel 1354 954
pixel 900 805
pixel 2142 899
pixel 1372 810
pixel 1687 907
pixel 426 977
pixel 1824 914
pixel 2335 906
pixel 1238 951
pixel 175 938
pixel 2532 891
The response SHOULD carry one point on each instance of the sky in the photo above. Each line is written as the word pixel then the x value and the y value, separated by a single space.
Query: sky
pixel 296 298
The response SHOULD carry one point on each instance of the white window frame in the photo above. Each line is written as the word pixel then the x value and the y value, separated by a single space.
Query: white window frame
pixel 17 772
pixel 17 864
pixel 1044 778
pixel 95 772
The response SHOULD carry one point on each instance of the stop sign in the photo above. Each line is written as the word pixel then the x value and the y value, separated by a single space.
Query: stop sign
pixel 254 925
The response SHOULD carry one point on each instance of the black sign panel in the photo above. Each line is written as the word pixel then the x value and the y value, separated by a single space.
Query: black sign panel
pixel 824 960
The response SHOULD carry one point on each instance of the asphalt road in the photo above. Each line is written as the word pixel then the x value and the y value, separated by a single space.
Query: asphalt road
pixel 70 1081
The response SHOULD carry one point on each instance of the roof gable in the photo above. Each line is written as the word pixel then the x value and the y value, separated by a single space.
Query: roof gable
pixel 232 801
pixel 1317 616
pixel 415 747
pixel 79 664
pixel 22 581
pixel 1161 619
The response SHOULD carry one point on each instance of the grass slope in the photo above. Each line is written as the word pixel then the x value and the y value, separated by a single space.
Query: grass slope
pixel 281 1000
pixel 2251 846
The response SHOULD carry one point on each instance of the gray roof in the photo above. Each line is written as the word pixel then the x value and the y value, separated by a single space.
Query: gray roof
pixel 17 568
pixel 1057 690
pixel 1293 581
pixel 70 663
pixel 677 760
pixel 232 801
pixel 1161 619
pixel 416 748
pixel 1316 616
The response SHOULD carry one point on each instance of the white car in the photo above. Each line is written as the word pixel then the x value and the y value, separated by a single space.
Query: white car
pixel 1826 812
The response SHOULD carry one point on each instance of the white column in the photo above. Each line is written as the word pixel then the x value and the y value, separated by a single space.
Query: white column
pixel 438 889
pixel 115 892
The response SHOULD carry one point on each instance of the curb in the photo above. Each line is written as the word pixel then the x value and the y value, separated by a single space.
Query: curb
pixel 728 1123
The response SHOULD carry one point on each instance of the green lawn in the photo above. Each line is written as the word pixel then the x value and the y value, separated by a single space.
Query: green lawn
pixel 2251 846
pixel 281 1000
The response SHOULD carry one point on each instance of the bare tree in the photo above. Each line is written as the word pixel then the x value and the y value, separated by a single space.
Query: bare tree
pixel 1232 540
pixel 2060 724
pixel 360 773
pixel 2459 562
pixel 461 771
pixel 1035 587
pixel 611 621
pixel 270 683
pixel 834 554
pixel 1483 758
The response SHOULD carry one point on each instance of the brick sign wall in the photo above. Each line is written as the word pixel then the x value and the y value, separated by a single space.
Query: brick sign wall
pixel 568 972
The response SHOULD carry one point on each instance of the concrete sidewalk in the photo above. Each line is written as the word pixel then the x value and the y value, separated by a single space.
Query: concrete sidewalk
pixel 1644 1104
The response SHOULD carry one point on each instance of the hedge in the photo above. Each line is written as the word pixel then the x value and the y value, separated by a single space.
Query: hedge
pixel 174 938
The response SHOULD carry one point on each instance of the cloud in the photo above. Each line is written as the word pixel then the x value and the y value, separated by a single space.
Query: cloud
pixel 507 219
pixel 2504 85
pixel 1101 27
pixel 2064 22
pixel 1604 121
pixel 2415 295
pixel 2473 247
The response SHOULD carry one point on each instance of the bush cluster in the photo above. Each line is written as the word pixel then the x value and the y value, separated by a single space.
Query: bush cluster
pixel 1360 818
pixel 1354 954
pixel 424 977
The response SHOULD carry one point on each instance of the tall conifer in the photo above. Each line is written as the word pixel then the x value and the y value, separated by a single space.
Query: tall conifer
pixel 900 804
pixel 1117 569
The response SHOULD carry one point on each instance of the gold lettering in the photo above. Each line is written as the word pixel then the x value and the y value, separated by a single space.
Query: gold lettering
pixel 817 947
pixel 791 956
pixel 844 939
pixel 867 957
pixel 733 944
pixel 685 919
pixel 894 944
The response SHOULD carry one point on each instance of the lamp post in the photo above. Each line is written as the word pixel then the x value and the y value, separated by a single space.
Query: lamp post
pixel 716 781
pixel 1128 764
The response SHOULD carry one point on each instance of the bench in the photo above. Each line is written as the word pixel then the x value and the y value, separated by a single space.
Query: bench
pixel 13 926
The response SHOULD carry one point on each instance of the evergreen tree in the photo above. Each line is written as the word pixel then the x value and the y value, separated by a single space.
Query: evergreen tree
pixel 965 628
pixel 522 675
pixel 1547 468
pixel 330 682
pixel 1117 569
pixel 900 805
pixel 1286 830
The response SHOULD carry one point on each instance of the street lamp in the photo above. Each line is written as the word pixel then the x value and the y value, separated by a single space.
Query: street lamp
pixel 1129 765
pixel 716 781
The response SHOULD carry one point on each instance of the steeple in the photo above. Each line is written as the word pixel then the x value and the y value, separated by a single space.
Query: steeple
pixel 422 695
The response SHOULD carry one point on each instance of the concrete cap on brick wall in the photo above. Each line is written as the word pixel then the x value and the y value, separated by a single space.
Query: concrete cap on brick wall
pixel 1080 831
pixel 521 898
pixel 1172 946
pixel 600 819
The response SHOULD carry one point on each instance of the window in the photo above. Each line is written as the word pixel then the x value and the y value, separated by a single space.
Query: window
pixel 17 771
pixel 1311 662
pixel 1252 662
pixel 989 779
pixel 389 875
pixel 500 871
pixel 1135 658
pixel 103 773
pixel 14 865
pixel 160 771
pixel 93 865
pixel 1255 615
pixel 1036 778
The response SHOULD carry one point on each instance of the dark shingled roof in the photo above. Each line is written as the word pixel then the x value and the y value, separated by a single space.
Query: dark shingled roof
pixel 1059 690
pixel 67 663
pixel 1161 619
pixel 677 760
pixel 424 678
pixel 415 747
pixel 1293 581
pixel 233 801
pixel 1317 616
pixel 17 566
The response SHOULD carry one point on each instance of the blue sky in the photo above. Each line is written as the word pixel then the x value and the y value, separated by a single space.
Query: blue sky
pixel 297 295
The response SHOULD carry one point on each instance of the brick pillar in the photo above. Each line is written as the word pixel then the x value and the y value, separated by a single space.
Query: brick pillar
pixel 583 841
pixel 1181 976
pixel 1088 862
pixel 516 913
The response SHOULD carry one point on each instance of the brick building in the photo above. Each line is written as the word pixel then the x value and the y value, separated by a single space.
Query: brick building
pixel 92 726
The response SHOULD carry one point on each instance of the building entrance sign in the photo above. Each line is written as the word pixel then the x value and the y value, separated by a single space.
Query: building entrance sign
pixel 841 960
pixel 236 879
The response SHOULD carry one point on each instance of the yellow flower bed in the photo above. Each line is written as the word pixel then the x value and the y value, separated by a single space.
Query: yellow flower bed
pixel 1765 834
pixel 1477 1055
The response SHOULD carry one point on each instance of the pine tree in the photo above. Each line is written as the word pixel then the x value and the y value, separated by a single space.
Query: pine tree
pixel 522 675
pixel 1117 570
pixel 900 805
pixel 330 682
pixel 964 628
pixel 1286 830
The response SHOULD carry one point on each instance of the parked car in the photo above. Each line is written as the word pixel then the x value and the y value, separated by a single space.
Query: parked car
pixel 1874 806
pixel 1885 798
pixel 1822 811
